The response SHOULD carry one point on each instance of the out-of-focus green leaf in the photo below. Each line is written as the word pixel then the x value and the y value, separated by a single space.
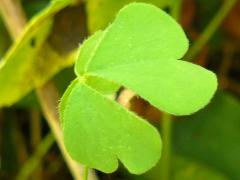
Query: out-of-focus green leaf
pixel 212 135
pixel 33 7
pixel 182 168
pixel 102 12
pixel 31 61
pixel 28 101
pixel 43 70
pixel 63 78
pixel 16 69
pixel 186 169
pixel 98 132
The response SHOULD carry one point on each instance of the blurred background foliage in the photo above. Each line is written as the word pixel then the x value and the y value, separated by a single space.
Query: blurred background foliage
pixel 204 145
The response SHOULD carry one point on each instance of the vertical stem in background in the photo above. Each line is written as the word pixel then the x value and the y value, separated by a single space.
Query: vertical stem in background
pixel 210 29
pixel 166 129
pixel 35 129
pixel 48 98
pixel 20 143
pixel 225 65
pixel 33 162
pixel 11 16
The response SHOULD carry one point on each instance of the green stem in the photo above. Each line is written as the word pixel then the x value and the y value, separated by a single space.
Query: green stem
pixel 33 162
pixel 210 29
pixel 85 174
pixel 35 129
pixel 166 137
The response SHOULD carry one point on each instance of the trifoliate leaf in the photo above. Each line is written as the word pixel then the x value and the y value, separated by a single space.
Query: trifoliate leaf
pixel 140 50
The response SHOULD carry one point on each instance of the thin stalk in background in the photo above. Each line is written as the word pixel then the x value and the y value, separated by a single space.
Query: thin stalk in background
pixel 210 30
pixel 166 130
pixel 12 13
pixel 35 160
pixel 35 129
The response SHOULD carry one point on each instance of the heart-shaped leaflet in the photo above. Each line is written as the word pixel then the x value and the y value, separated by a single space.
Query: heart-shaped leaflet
pixel 98 132
pixel 139 50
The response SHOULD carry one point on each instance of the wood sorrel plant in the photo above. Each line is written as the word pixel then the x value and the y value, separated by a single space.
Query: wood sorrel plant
pixel 140 50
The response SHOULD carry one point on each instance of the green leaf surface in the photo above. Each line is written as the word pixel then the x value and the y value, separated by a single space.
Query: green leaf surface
pixel 102 85
pixel 24 66
pixel 102 12
pixel 188 169
pixel 86 51
pixel 212 135
pixel 16 67
pixel 64 100
pixel 98 132
pixel 176 93
pixel 140 50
